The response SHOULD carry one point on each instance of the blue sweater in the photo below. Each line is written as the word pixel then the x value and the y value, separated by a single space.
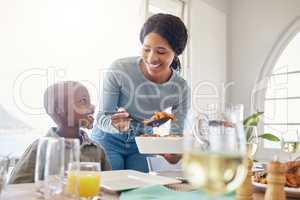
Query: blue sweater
pixel 125 85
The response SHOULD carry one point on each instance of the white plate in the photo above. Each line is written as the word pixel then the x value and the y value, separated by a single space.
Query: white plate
pixel 177 174
pixel 120 180
pixel 159 145
pixel 290 192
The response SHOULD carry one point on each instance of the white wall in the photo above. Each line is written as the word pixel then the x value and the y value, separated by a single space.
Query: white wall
pixel 76 36
pixel 208 50
pixel 222 5
pixel 254 28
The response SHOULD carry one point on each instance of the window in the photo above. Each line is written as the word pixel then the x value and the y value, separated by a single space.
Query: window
pixel 282 99
pixel 47 41
pixel 174 7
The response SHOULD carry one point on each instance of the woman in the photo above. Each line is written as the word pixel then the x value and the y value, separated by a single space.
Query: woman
pixel 140 86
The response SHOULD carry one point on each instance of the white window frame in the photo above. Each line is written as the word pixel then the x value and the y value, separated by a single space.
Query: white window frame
pixel 258 96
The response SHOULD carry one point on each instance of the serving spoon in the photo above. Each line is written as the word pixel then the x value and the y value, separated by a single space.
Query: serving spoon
pixel 147 122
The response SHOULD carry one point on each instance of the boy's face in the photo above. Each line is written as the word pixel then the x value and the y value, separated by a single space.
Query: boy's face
pixel 80 107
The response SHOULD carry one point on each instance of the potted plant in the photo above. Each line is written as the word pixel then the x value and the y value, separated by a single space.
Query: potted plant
pixel 250 128
pixel 252 121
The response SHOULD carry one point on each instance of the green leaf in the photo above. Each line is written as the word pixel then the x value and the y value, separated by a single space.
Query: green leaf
pixel 253 119
pixel 270 137
pixel 249 133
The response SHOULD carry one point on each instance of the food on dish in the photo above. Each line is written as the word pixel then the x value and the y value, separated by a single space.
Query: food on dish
pixel 292 175
pixel 156 135
pixel 160 115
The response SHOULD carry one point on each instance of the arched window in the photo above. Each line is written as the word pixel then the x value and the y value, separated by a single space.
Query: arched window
pixel 280 83
pixel 282 99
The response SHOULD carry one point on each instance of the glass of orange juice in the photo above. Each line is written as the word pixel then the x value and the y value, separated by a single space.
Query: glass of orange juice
pixel 86 180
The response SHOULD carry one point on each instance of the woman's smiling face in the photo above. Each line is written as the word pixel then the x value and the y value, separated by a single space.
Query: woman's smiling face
pixel 157 54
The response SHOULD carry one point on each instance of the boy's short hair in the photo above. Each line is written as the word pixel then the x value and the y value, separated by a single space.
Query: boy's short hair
pixel 56 97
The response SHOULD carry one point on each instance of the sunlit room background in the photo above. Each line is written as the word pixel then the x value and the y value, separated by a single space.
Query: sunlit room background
pixel 43 42
pixel 47 41
pixel 248 43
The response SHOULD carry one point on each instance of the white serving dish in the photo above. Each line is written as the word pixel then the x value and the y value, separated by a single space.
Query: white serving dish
pixel 290 192
pixel 120 180
pixel 159 145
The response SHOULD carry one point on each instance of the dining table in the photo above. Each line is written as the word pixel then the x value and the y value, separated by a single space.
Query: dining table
pixel 27 192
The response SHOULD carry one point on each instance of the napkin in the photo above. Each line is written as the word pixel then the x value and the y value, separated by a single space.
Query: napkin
pixel 158 192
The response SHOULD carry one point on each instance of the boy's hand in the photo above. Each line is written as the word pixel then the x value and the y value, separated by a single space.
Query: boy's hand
pixel 90 120
pixel 121 121
pixel 87 122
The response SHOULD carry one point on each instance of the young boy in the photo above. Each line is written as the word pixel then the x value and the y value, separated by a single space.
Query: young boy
pixel 68 104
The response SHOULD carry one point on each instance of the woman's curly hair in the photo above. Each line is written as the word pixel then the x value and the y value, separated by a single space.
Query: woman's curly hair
pixel 172 29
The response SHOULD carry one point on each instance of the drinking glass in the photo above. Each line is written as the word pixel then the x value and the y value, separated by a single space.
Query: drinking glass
pixel 72 154
pixel 290 142
pixel 215 157
pixel 4 165
pixel 71 165
pixel 40 164
pixel 54 168
pixel 252 140
pixel 88 179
